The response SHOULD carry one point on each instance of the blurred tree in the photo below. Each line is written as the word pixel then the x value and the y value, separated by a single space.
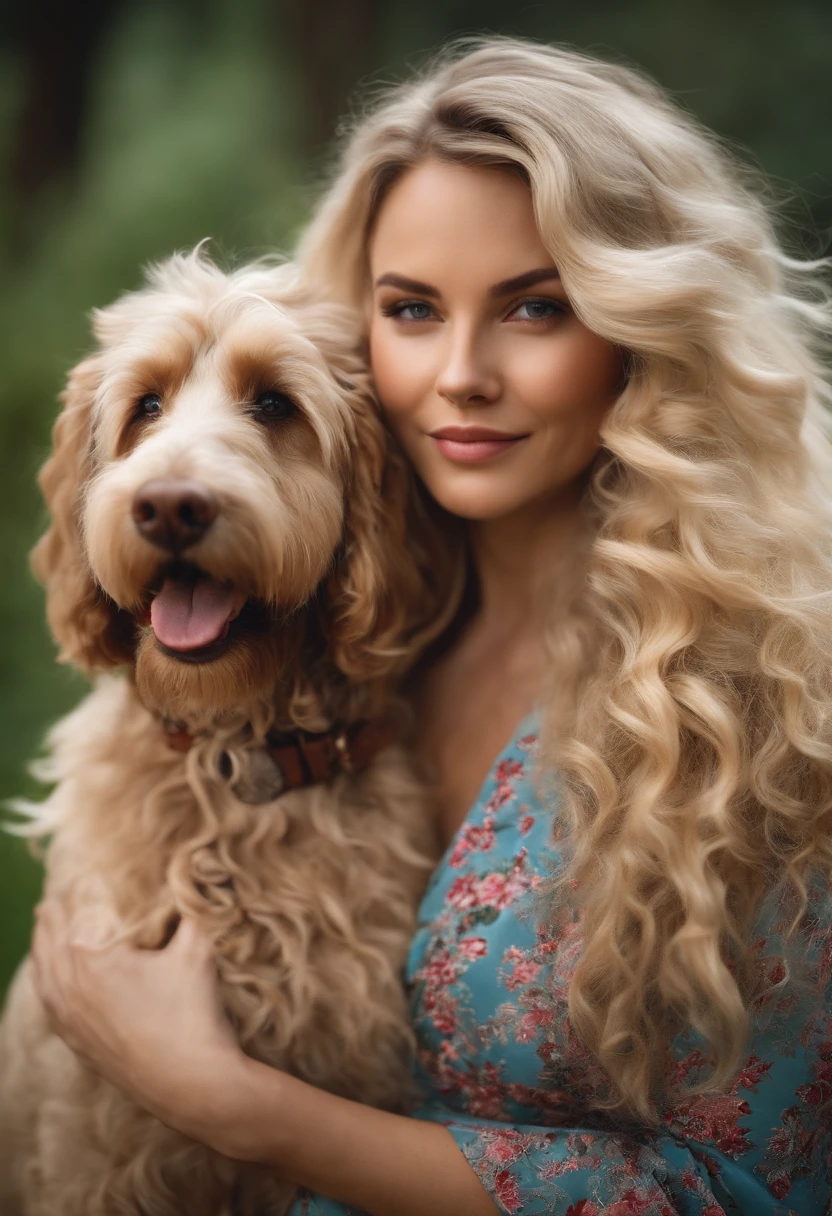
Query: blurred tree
pixel 58 44
pixel 333 45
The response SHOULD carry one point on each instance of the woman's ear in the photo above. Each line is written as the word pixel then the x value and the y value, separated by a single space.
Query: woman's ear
pixel 90 629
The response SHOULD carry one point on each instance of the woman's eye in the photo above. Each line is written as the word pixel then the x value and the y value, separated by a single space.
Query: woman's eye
pixel 272 406
pixel 149 405
pixel 409 310
pixel 537 310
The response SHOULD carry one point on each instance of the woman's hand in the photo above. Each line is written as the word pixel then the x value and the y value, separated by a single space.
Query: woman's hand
pixel 149 1021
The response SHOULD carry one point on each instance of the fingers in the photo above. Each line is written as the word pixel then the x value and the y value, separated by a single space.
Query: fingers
pixel 190 935
pixel 191 938
pixel 67 977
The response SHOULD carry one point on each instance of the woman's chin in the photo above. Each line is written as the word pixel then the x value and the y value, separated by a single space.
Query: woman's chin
pixel 491 499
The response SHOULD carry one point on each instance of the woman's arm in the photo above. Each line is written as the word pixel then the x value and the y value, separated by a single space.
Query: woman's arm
pixel 384 1164
pixel 151 1023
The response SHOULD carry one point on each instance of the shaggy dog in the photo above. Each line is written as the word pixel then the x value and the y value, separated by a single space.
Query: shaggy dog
pixel 229 525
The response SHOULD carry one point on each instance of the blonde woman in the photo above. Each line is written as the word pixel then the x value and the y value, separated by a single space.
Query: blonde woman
pixel 605 373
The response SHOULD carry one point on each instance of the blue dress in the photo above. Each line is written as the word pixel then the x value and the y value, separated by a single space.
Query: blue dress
pixel 500 1067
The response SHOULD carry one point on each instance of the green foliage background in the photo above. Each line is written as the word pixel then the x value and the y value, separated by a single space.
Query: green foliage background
pixel 196 124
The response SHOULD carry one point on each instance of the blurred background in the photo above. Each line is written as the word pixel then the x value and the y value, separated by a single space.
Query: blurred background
pixel 130 128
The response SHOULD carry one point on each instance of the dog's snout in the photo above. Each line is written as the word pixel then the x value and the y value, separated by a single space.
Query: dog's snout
pixel 174 514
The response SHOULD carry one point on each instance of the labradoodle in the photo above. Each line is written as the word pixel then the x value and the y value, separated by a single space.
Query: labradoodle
pixel 231 528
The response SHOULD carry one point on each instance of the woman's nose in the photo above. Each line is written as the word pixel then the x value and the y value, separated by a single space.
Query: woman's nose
pixel 467 375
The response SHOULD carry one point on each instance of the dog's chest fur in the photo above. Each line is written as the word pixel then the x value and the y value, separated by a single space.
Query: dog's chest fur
pixel 310 898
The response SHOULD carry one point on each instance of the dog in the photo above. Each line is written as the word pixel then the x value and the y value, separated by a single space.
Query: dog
pixel 230 550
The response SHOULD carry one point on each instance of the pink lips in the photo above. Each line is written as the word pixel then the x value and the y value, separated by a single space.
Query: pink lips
pixel 471 444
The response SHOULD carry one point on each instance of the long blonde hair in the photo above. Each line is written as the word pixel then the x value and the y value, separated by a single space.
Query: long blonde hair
pixel 692 728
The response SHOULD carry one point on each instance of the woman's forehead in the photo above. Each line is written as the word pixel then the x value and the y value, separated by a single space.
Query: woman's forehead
pixel 441 218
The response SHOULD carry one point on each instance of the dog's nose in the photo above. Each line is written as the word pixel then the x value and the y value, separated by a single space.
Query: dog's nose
pixel 173 514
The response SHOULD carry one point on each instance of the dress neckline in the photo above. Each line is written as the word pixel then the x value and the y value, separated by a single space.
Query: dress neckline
pixel 528 725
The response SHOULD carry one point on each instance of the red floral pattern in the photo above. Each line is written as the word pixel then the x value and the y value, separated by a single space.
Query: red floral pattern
pixel 500 1064
pixel 501 1067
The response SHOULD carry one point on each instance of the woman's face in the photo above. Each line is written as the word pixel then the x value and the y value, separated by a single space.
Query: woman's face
pixel 492 384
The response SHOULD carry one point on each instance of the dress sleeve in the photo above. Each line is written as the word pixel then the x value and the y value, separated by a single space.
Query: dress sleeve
pixel 535 1171
pixel 761 1148
pixel 538 1171
pixel 530 1171
pixel 724 1157
pixel 307 1204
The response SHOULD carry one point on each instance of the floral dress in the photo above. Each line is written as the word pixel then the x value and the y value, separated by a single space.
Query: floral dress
pixel 500 1067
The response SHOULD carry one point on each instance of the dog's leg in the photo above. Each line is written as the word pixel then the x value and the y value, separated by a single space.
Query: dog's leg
pixel 131 1165
pixel 70 1145
pixel 24 1034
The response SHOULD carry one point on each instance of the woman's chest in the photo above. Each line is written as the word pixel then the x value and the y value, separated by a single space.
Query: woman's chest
pixel 466 718
pixel 480 970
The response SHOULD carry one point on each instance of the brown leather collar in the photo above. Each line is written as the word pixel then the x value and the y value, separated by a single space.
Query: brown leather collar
pixel 304 757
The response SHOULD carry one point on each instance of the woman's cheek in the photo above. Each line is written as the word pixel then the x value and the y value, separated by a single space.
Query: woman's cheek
pixel 383 368
pixel 401 372
pixel 595 367
pixel 572 385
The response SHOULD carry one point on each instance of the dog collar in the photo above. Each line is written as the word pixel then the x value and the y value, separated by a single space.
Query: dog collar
pixel 302 758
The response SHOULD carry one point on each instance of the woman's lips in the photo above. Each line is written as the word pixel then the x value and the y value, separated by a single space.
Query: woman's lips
pixel 471 444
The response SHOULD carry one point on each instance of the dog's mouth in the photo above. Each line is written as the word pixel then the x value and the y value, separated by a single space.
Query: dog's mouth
pixel 193 615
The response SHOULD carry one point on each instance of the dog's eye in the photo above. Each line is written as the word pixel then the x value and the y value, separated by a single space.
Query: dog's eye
pixel 273 405
pixel 149 405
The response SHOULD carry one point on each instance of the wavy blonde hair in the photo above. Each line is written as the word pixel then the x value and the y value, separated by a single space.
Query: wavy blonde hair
pixel 693 718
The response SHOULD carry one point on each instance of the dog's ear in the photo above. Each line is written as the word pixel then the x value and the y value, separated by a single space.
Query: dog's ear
pixel 90 630
pixel 396 585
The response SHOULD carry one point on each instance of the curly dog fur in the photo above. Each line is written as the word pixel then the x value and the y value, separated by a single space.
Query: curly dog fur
pixel 310 896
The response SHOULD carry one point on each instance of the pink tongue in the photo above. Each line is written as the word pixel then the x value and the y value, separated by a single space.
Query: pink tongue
pixel 187 615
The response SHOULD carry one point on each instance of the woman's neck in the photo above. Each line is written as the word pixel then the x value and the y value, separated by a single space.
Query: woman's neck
pixel 517 557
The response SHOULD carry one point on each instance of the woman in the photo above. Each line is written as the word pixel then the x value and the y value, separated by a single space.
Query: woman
pixel 601 366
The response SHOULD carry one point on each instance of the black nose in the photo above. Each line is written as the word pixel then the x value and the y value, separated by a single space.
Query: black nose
pixel 174 514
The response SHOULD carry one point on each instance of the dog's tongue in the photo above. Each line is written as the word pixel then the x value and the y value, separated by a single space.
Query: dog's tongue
pixel 187 613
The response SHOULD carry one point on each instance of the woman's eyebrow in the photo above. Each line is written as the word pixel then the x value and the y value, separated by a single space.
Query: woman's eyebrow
pixel 529 279
pixel 506 287
pixel 399 280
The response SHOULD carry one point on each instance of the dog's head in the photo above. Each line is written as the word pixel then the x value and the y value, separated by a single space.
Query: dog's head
pixel 219 461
